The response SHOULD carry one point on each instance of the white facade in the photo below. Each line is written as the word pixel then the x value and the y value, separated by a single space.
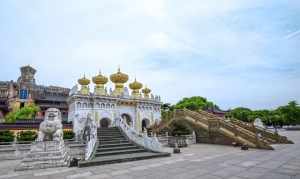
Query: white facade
pixel 105 109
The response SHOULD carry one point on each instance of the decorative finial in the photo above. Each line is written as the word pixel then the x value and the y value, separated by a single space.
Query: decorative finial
pixel 119 69
pixel 100 71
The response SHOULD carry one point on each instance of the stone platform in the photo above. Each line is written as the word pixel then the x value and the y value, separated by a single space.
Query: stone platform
pixel 205 161
pixel 46 154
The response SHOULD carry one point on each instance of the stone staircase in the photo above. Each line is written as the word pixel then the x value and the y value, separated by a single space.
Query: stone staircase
pixel 270 136
pixel 114 147
pixel 219 130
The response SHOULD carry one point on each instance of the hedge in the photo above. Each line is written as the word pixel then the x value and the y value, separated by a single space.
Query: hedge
pixel 26 136
pixel 68 134
pixel 6 136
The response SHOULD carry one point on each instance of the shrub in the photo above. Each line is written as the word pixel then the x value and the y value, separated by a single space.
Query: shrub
pixel 26 113
pixel 68 134
pixel 179 129
pixel 26 136
pixel 6 136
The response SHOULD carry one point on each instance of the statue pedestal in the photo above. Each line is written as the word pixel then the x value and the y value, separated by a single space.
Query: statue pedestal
pixel 45 154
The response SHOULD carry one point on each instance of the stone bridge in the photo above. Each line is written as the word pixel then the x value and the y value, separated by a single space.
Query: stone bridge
pixel 210 128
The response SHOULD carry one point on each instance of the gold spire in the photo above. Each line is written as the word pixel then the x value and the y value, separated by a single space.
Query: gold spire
pixel 146 92
pixel 100 79
pixel 136 86
pixel 119 79
pixel 84 82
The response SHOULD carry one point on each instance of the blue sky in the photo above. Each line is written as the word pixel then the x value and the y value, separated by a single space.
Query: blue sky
pixel 234 52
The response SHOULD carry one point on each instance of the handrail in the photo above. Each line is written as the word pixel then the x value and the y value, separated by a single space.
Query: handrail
pixel 149 143
pixel 92 139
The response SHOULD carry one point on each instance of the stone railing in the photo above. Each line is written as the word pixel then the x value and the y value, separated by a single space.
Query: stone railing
pixel 149 143
pixel 91 139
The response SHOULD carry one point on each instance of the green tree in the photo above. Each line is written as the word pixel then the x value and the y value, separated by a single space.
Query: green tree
pixel 241 113
pixel 28 112
pixel 290 113
pixel 195 103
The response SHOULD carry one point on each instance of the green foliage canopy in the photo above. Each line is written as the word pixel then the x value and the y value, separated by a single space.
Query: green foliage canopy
pixel 195 103
pixel 28 112
pixel 283 115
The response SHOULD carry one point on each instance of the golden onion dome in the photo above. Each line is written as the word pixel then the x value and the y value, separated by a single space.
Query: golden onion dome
pixel 135 85
pixel 146 90
pixel 119 77
pixel 100 79
pixel 84 81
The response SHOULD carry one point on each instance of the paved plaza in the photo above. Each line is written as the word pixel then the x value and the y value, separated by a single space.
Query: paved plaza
pixel 198 161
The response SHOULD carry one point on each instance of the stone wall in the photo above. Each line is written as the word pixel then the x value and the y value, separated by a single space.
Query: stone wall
pixel 19 151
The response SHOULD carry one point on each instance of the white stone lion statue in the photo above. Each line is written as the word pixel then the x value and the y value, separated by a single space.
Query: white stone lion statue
pixel 51 129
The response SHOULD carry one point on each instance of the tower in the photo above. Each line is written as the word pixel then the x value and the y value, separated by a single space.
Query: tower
pixel 100 81
pixel 119 79
pixel 27 75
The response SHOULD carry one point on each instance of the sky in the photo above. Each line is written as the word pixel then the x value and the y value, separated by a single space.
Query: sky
pixel 233 52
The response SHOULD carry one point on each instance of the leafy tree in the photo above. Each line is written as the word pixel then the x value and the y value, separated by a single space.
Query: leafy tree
pixel 290 113
pixel 195 103
pixel 26 113
pixel 241 113
pixel 179 129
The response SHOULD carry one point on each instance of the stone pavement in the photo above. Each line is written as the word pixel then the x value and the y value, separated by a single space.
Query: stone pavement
pixel 201 161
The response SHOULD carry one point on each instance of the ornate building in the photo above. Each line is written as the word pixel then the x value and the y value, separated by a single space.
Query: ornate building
pixel 140 109
pixel 16 94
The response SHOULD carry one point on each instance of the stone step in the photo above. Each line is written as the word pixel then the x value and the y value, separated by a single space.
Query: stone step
pixel 41 166
pixel 108 134
pixel 117 148
pixel 117 152
pixel 115 145
pixel 45 154
pixel 109 131
pixel 121 158
pixel 111 138
pixel 113 141
pixel 45 158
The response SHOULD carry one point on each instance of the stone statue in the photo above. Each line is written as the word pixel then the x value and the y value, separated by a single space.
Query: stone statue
pixel 78 127
pixel 74 90
pixel 49 150
pixel 51 128
pixel 258 123
pixel 126 92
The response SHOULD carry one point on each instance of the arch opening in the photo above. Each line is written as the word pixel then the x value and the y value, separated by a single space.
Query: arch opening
pixel 145 124
pixel 105 123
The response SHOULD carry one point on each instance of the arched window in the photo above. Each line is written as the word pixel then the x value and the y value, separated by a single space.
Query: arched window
pixel 107 105
pixel 90 105
pixel 78 105
pixel 98 105
pixel 84 105
pixel 102 105
pixel 113 106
